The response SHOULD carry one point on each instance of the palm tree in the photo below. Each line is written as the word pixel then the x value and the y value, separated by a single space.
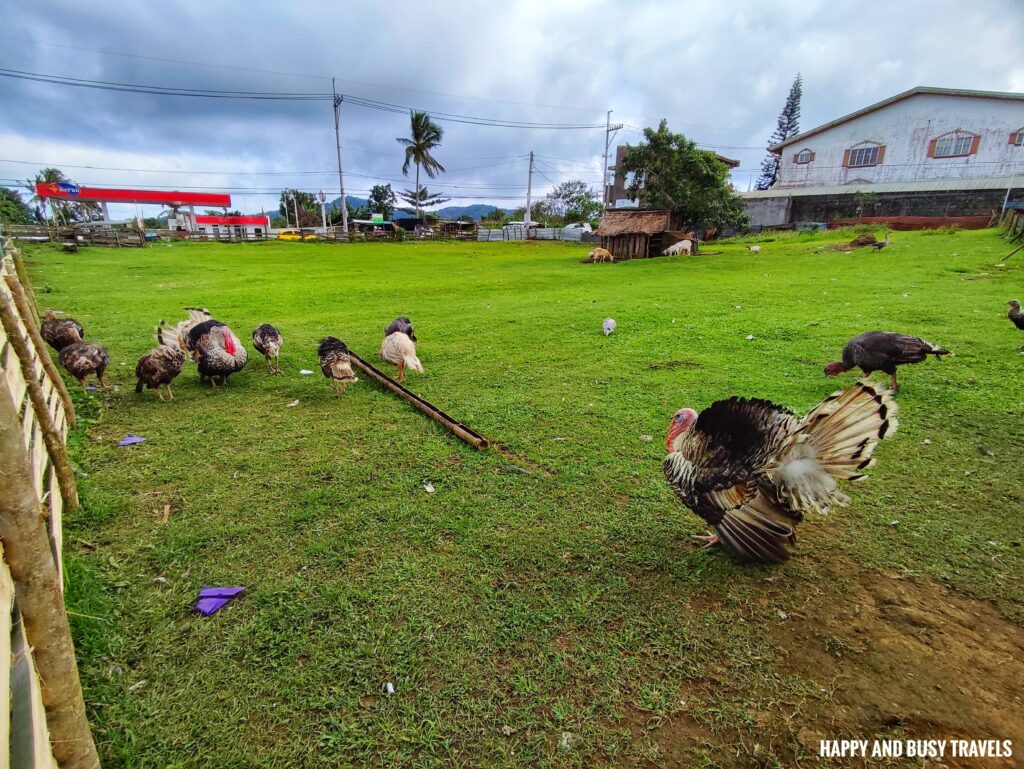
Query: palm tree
pixel 425 136
pixel 63 211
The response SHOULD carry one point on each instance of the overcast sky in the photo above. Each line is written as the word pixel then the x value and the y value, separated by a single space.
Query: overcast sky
pixel 719 72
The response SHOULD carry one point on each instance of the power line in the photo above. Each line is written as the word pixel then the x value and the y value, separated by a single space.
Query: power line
pixel 295 74
pixel 281 96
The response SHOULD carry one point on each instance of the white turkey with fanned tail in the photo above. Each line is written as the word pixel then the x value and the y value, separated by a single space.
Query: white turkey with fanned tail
pixel 751 468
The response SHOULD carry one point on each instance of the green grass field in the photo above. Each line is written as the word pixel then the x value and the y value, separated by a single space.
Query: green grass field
pixel 545 607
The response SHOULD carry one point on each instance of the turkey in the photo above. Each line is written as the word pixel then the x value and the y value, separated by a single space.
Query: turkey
pixel 336 363
pixel 160 365
pixel 81 359
pixel 403 324
pixel 267 341
pixel 60 332
pixel 1016 315
pixel 399 350
pixel 751 469
pixel 211 343
pixel 883 351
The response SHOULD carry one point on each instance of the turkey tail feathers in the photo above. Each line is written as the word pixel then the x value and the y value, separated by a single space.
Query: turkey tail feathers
pixel 845 428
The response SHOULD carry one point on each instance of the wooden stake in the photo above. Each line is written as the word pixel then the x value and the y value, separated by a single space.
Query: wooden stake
pixel 54 442
pixel 22 302
pixel 22 273
pixel 453 426
pixel 28 554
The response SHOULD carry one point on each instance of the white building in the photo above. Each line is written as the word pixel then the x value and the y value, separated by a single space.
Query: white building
pixel 938 151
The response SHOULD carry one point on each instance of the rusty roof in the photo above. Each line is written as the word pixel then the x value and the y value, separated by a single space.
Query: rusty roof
pixel 634 223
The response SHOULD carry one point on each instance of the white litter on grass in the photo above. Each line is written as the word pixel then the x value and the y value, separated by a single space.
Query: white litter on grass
pixel 647 438
pixel 389 688
pixel 750 337
pixel 926 442
pixel 783 615
pixel 305 371
pixel 608 326
pixel 293 403
pixel 428 487
pixel 894 523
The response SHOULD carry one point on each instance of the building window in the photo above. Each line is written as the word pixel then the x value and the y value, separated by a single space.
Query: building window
pixel 957 144
pixel 859 157
pixel 803 157
pixel 1017 138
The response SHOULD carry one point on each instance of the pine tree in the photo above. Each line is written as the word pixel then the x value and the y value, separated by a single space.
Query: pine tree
pixel 787 128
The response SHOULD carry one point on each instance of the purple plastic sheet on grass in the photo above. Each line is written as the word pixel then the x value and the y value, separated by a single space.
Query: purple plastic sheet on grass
pixel 213 599
pixel 130 440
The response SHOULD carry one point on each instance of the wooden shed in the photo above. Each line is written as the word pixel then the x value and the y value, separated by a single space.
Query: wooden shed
pixel 634 234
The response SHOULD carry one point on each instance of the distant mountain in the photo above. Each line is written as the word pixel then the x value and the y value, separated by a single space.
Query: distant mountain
pixel 478 210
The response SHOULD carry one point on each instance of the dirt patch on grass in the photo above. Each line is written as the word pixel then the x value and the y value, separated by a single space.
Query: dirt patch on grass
pixel 872 656
pixel 671 365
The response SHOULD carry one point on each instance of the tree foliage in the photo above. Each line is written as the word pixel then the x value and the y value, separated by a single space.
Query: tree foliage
pixel 308 205
pixel 13 209
pixel 787 127
pixel 424 199
pixel 670 171
pixel 382 200
pixel 424 136
pixel 574 201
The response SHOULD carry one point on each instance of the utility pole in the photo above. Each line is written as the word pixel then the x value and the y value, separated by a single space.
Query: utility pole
pixel 295 204
pixel 529 190
pixel 337 140
pixel 322 197
pixel 609 129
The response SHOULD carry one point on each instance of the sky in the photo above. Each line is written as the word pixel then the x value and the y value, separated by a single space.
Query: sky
pixel 718 71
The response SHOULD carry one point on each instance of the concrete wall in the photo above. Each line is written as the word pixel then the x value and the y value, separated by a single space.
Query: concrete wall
pixel 767 212
pixel 906 129
pixel 824 208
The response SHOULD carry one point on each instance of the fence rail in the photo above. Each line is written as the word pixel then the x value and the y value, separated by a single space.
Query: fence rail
pixel 43 721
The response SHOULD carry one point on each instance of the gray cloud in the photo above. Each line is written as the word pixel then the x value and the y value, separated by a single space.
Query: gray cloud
pixel 718 71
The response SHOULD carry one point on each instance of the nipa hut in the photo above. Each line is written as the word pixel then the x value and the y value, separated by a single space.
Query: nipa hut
pixel 635 234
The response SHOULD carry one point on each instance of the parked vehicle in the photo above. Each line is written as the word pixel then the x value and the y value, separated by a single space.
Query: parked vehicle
pixel 296 235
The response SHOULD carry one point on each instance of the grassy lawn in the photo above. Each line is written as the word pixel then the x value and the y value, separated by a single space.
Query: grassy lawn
pixel 545 606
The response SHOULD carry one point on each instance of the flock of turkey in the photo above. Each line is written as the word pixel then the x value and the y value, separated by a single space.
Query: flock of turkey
pixel 749 468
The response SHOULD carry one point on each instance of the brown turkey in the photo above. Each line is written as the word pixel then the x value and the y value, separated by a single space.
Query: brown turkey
pixel 81 359
pixel 267 341
pixel 213 345
pixel 160 365
pixel 751 469
pixel 883 351
pixel 1016 315
pixel 60 332
pixel 336 363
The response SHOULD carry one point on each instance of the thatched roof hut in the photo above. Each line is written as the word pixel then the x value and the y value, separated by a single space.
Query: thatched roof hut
pixel 634 234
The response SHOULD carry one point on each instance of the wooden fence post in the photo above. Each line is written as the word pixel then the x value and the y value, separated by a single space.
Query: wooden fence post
pixel 54 442
pixel 22 273
pixel 21 301
pixel 27 548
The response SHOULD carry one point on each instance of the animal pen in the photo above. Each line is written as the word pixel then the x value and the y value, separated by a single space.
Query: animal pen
pixel 42 713
pixel 639 234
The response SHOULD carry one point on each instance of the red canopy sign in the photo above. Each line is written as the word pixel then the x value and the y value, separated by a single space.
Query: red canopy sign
pixel 257 220
pixel 68 191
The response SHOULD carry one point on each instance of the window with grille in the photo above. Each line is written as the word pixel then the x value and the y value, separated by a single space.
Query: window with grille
pixel 804 156
pixel 953 145
pixel 1017 138
pixel 863 156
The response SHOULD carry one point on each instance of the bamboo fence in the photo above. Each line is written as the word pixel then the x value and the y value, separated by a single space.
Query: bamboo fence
pixel 43 720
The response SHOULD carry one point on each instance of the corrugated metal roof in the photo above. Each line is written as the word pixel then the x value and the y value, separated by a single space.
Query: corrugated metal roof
pixel 891 100
pixel 633 222
pixel 930 185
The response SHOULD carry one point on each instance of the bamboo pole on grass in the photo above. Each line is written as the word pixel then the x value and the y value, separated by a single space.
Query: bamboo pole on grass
pixel 28 554
pixel 54 443
pixel 22 273
pixel 21 301
pixel 453 426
